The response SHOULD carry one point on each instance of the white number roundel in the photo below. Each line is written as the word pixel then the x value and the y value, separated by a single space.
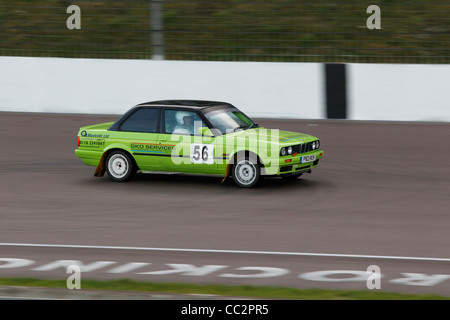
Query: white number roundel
pixel 202 153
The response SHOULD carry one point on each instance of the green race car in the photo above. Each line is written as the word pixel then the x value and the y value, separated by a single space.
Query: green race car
pixel 195 137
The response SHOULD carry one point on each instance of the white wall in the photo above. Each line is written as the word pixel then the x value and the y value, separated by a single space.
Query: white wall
pixel 281 90
pixel 278 90
pixel 398 92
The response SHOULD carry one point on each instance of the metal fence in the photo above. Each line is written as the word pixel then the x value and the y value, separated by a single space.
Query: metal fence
pixel 229 30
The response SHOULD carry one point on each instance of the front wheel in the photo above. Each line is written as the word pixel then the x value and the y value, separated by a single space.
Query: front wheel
pixel 120 166
pixel 246 174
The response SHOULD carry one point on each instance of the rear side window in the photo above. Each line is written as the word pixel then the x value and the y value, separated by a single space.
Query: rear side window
pixel 143 120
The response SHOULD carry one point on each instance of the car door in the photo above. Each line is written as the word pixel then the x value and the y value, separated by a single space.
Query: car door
pixel 186 150
pixel 140 133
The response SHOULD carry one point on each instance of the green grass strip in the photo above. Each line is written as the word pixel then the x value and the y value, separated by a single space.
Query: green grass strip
pixel 259 292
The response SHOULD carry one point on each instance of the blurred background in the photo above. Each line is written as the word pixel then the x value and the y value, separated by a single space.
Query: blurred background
pixel 382 188
pixel 230 30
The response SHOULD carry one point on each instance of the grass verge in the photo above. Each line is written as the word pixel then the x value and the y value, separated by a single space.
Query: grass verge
pixel 259 292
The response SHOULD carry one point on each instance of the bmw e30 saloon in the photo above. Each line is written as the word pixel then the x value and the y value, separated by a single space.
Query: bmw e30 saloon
pixel 195 137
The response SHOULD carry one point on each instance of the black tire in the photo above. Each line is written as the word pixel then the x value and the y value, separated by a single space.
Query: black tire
pixel 246 172
pixel 120 166
pixel 292 176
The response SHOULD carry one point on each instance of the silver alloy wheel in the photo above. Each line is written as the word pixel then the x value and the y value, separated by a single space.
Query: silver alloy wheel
pixel 245 172
pixel 118 166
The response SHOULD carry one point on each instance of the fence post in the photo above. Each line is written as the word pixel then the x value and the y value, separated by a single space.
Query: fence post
pixel 157 28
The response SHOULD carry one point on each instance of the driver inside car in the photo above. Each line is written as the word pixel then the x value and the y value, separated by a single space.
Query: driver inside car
pixel 185 124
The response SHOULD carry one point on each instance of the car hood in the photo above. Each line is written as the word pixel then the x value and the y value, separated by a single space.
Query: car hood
pixel 273 135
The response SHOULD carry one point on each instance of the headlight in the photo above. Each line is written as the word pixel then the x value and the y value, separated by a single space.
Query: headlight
pixel 317 144
pixel 313 145
pixel 283 151
pixel 289 150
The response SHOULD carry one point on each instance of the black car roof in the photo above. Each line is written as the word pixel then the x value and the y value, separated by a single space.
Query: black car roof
pixel 195 104
pixel 188 104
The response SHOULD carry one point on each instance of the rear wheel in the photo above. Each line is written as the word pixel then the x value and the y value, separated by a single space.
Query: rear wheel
pixel 246 173
pixel 120 166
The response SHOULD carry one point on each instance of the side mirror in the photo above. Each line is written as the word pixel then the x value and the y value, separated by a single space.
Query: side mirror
pixel 205 131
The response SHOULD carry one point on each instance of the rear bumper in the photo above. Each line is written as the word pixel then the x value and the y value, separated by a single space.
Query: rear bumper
pixel 90 158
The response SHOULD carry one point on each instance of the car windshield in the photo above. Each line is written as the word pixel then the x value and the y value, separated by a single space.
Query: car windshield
pixel 229 120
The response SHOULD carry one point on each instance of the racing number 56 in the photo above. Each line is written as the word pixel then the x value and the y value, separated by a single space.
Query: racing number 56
pixel 202 153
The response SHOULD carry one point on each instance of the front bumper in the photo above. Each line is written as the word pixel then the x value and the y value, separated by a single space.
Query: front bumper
pixel 292 164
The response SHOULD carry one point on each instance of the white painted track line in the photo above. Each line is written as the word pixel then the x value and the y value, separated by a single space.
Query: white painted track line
pixel 304 254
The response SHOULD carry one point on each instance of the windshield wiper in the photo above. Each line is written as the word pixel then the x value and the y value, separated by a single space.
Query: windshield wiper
pixel 253 125
pixel 237 128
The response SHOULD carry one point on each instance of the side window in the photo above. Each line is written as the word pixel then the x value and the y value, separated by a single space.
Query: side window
pixel 143 120
pixel 182 122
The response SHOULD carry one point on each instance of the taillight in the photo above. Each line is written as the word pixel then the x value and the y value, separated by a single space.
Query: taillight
pixel 78 141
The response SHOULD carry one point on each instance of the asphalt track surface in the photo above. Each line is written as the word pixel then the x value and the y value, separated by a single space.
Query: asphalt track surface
pixel 380 196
